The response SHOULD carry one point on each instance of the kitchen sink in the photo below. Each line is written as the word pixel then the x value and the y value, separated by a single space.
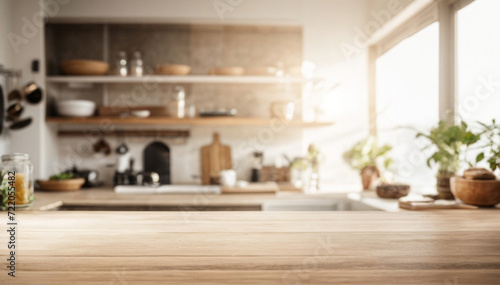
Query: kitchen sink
pixel 181 208
pixel 271 205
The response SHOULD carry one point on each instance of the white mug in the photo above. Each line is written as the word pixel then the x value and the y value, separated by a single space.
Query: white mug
pixel 228 177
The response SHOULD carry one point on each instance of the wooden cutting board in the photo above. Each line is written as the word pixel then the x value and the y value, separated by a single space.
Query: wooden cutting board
pixel 432 205
pixel 214 158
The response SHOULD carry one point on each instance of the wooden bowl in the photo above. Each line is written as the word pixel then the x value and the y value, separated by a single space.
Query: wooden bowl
pixel 172 69
pixel 228 70
pixel 476 192
pixel 61 185
pixel 392 191
pixel 85 67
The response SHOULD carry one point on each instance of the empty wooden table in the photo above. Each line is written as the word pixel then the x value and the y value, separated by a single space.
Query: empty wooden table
pixel 440 247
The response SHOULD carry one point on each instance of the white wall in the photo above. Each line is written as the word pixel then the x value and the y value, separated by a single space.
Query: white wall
pixel 5 27
pixel 254 10
pixel 327 25
pixel 377 5
pixel 26 25
pixel 5 58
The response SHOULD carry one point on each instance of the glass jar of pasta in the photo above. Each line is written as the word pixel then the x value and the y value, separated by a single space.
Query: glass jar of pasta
pixel 17 173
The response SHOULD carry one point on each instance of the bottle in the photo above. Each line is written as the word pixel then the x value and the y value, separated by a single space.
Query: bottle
pixel 131 175
pixel 258 158
pixel 178 105
pixel 121 64
pixel 123 158
pixel 136 65
pixel 123 154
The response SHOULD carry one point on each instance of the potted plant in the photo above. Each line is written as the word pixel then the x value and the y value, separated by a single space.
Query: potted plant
pixel 369 158
pixel 491 135
pixel 479 186
pixel 305 170
pixel 449 141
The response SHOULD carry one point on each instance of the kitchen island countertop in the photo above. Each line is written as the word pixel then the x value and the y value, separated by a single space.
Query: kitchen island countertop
pixel 183 202
pixel 97 198
pixel 439 247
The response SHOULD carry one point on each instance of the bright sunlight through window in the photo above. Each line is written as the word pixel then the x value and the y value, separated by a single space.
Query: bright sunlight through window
pixel 478 65
pixel 408 100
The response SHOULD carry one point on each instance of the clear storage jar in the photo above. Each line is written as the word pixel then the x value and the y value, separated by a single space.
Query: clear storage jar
pixel 17 172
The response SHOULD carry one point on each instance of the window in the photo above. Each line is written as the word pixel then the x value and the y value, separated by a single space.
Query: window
pixel 478 61
pixel 407 95
pixel 434 60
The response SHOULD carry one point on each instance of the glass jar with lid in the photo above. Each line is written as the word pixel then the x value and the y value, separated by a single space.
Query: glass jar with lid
pixel 121 64
pixel 137 65
pixel 17 172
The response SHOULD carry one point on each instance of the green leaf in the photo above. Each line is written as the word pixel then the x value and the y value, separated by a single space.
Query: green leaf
pixel 388 162
pixel 366 153
pixel 493 163
pixel 479 157
pixel 62 176
pixel 464 125
pixel 429 161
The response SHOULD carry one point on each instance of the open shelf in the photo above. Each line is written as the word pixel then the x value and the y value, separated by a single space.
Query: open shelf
pixel 199 121
pixel 177 79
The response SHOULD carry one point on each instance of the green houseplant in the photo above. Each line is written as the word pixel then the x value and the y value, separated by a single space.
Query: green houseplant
pixel 490 144
pixel 450 141
pixel 368 157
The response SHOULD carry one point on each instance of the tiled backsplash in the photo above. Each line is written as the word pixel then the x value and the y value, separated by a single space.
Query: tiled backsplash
pixel 201 46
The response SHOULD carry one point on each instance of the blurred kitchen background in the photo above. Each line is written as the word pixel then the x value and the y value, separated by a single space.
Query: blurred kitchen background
pixel 273 78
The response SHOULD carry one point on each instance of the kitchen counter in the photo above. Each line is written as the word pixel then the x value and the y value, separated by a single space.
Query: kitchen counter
pixel 106 199
pixel 438 247
pixel 106 196
pixel 182 202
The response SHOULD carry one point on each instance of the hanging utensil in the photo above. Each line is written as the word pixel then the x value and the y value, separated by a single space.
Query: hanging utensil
pixel 32 93
pixel 122 148
pixel 14 111
pixel 15 94
pixel 102 147
pixel 20 124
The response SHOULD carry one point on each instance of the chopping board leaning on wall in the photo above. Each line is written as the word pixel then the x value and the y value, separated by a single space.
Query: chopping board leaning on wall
pixel 214 158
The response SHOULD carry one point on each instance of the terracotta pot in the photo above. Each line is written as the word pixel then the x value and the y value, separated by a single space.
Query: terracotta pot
pixel 476 192
pixel 368 175
pixel 443 186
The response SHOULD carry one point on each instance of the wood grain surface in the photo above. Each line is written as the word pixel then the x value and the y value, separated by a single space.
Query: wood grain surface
pixel 446 247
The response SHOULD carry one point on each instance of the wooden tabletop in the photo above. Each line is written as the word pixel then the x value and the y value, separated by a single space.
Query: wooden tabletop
pixel 441 247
